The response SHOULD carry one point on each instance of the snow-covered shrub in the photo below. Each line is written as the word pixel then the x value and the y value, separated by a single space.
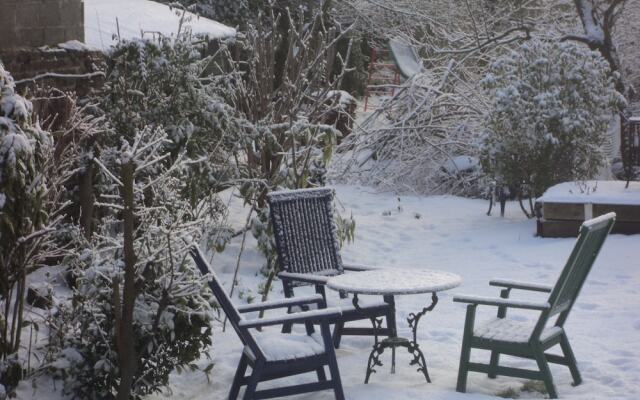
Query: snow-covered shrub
pixel 25 151
pixel 412 139
pixel 168 83
pixel 282 107
pixel 140 309
pixel 552 103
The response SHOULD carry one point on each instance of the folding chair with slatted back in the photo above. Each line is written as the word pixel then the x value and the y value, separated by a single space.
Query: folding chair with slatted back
pixel 309 254
pixel 506 336
pixel 274 355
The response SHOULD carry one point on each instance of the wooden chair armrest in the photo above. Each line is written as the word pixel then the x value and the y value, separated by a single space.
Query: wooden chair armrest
pixel 499 302
pixel 293 301
pixel 306 278
pixel 326 315
pixel 358 267
pixel 535 287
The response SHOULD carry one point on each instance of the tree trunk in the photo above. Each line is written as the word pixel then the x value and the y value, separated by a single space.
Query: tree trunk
pixel 86 201
pixel 125 335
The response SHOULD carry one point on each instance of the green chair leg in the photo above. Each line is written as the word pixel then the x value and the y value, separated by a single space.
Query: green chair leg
pixel 465 354
pixel 543 365
pixel 493 364
pixel 571 359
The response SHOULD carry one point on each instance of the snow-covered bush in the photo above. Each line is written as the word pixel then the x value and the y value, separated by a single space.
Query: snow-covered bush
pixel 552 103
pixel 283 104
pixel 168 83
pixel 140 309
pixel 25 151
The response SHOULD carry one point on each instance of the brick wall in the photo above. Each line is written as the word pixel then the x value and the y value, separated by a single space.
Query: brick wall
pixel 34 23
pixel 80 71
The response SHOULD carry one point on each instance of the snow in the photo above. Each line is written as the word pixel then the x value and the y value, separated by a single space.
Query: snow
pixel 595 192
pixel 459 164
pixel 599 220
pixel 405 57
pixel 509 330
pixel 394 281
pixel 453 235
pixel 104 19
pixel 75 45
pixel 277 346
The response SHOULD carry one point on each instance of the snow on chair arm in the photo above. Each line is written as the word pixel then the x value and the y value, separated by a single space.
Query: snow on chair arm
pixel 269 305
pixel 357 267
pixel 536 287
pixel 490 301
pixel 314 316
pixel 307 278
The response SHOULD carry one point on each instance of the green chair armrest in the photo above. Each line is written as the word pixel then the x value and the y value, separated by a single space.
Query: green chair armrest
pixel 499 302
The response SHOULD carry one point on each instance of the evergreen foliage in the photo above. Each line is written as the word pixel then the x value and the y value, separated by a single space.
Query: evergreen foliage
pixel 552 103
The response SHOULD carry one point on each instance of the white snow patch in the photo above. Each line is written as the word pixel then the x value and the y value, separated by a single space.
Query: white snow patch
pixel 131 19
pixel 596 192
pixel 394 281
pixel 75 45
pixel 278 346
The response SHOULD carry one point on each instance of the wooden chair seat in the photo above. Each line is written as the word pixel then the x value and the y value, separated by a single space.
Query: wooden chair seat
pixel 293 346
pixel 512 331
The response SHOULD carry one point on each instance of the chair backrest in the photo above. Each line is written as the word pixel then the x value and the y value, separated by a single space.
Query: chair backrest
pixel 224 301
pixel 590 240
pixel 305 231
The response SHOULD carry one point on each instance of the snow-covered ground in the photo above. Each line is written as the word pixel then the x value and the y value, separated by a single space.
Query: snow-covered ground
pixel 451 234
pixel 455 235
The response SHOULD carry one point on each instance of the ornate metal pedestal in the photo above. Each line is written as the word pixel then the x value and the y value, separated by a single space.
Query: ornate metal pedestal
pixel 393 342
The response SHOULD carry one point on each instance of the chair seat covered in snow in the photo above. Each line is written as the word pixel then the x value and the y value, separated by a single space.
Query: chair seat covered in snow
pixel 526 340
pixel 309 254
pixel 274 355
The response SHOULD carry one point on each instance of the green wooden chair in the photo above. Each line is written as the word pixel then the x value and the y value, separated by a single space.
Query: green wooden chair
pixel 521 339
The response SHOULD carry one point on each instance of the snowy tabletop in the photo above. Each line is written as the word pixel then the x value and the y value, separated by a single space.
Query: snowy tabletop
pixel 595 192
pixel 394 281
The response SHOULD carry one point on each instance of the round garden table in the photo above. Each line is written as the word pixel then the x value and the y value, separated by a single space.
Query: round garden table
pixel 389 283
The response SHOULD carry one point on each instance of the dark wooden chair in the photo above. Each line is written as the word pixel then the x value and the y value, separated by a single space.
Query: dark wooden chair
pixel 274 355
pixel 309 254
pixel 505 336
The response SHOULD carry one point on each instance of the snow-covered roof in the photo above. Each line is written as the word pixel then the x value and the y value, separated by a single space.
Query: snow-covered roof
pixel 134 18
pixel 595 192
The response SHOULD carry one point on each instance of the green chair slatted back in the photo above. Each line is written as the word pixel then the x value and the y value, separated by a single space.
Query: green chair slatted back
pixel 565 292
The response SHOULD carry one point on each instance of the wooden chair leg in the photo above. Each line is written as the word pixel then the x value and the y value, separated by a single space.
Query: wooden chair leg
pixel 493 364
pixel 333 363
pixel 543 365
pixel 571 359
pixel 465 354
pixel 253 383
pixel 337 334
pixel 237 379
pixel 322 377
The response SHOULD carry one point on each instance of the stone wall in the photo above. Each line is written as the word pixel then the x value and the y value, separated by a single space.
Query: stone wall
pixel 73 69
pixel 35 23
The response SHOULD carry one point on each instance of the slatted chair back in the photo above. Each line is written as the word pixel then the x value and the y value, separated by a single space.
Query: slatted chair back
pixel 234 317
pixel 305 231
pixel 565 292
